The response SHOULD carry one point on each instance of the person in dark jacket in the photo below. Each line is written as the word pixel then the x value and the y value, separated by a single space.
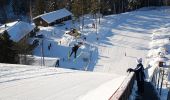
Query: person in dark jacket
pixel 140 75
pixel 74 50
pixel 57 63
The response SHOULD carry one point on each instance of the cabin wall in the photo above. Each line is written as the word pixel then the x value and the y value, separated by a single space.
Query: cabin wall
pixel 61 20
pixel 40 22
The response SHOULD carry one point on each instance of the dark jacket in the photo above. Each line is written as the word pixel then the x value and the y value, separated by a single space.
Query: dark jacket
pixel 139 72
pixel 75 48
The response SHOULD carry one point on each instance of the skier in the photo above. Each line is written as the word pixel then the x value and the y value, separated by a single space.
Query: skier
pixel 139 73
pixel 74 50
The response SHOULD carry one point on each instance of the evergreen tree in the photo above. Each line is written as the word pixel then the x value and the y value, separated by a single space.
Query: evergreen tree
pixel 39 7
pixel 7 52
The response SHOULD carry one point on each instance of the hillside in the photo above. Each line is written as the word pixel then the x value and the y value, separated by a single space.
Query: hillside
pixel 119 40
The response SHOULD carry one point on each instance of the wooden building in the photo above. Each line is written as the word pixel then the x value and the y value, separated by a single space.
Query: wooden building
pixel 51 18
pixel 18 30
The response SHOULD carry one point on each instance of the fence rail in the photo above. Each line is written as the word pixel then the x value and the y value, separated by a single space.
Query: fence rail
pixel 158 77
pixel 125 89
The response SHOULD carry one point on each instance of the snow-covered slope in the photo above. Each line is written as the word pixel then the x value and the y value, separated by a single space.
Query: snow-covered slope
pixel 128 33
pixel 19 82
pixel 121 39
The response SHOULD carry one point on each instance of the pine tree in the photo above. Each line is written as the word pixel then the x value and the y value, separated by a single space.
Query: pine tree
pixel 7 52
pixel 39 7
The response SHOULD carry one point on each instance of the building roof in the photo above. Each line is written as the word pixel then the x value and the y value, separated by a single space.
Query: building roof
pixel 55 15
pixel 17 30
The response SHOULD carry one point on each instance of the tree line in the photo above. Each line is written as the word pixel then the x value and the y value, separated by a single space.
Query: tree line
pixel 78 7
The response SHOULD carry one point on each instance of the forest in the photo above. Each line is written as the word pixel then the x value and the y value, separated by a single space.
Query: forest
pixel 14 9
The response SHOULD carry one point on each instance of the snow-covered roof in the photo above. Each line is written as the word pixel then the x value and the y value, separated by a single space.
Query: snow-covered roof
pixel 55 15
pixel 17 30
pixel 3 27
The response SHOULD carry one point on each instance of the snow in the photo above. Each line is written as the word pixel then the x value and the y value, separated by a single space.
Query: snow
pixel 55 15
pixel 109 52
pixel 109 88
pixel 159 49
pixel 159 43
pixel 46 83
pixel 18 29
pixel 122 39
pixel 8 25
pixel 159 52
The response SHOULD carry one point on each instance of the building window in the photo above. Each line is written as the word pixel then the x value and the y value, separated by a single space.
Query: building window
pixel 41 22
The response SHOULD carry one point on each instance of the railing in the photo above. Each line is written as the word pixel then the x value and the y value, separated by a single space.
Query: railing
pixel 158 78
pixel 154 78
pixel 125 89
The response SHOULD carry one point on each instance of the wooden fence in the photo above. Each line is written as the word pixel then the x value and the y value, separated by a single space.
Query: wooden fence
pixel 125 89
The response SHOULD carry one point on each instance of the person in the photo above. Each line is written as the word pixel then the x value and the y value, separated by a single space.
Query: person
pixel 57 63
pixel 140 75
pixel 49 46
pixel 74 50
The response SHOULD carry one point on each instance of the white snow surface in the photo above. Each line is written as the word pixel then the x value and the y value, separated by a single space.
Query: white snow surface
pixel 121 40
pixel 55 15
pixel 19 82
pixel 119 35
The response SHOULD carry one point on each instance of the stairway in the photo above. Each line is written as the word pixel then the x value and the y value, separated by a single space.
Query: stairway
pixel 149 93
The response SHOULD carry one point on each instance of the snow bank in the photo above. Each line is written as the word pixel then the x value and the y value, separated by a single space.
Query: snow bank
pixel 159 43
pixel 159 49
